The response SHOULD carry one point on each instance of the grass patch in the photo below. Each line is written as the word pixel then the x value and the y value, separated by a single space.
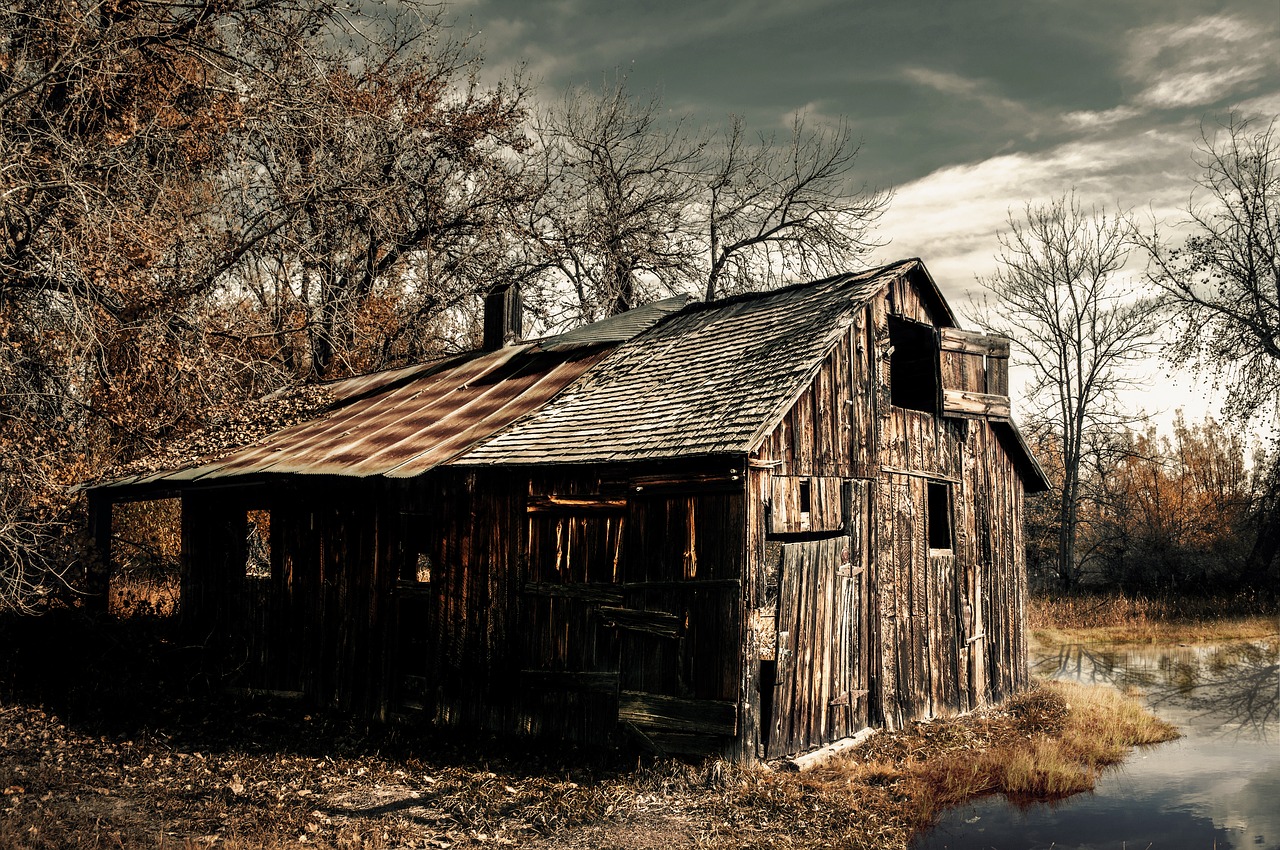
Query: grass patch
pixel 1047 744
pixel 1118 619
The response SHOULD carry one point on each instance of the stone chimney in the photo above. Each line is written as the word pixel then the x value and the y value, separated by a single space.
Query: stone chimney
pixel 503 317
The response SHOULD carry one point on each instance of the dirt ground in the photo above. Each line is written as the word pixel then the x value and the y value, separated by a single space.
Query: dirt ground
pixel 117 742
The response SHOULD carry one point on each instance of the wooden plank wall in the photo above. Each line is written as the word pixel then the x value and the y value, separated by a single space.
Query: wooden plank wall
pixel 558 603
pixel 590 602
pixel 930 640
pixel 830 429
pixel 316 623
pixel 624 588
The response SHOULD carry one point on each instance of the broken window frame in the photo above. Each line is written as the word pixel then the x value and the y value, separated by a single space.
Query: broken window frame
pixel 914 373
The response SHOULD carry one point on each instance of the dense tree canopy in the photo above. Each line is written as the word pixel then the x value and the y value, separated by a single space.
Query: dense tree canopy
pixel 203 201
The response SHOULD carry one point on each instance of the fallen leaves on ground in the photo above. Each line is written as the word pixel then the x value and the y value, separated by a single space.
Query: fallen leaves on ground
pixel 275 783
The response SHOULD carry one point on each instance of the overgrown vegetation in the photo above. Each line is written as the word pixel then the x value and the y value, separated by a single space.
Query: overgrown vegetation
pixel 1180 513
pixel 1115 618
pixel 124 741
pixel 205 202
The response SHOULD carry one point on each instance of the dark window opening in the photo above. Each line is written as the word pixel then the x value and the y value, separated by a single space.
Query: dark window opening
pixel 257 544
pixel 913 365
pixel 805 498
pixel 939 515
pixel 416 563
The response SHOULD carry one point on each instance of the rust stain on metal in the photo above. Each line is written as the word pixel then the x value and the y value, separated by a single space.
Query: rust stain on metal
pixel 404 430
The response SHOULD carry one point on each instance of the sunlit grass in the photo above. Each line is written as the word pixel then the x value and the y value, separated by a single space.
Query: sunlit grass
pixel 1046 744
pixel 1121 619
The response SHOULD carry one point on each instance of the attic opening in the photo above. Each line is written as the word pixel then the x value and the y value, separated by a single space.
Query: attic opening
pixel 913 365
pixel 939 515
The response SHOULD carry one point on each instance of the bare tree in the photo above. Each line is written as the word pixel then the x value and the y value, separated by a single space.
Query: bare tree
pixel 189 188
pixel 610 223
pixel 1223 288
pixel 634 207
pixel 785 211
pixel 384 182
pixel 1077 327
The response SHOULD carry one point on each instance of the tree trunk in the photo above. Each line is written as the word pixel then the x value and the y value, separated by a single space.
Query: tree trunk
pixel 1266 546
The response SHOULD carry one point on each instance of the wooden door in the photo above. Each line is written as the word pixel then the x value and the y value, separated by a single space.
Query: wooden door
pixel 679 628
pixel 821 678
pixel 925 625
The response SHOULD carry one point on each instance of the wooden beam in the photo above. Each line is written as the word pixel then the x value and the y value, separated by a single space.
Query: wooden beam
pixel 595 592
pixel 964 403
pixel 570 680
pixel 821 756
pixel 972 342
pixel 576 504
pixel 651 712
pixel 657 623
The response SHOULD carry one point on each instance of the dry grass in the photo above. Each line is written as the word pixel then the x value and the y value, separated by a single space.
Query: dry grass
pixel 67 789
pixel 1047 744
pixel 1121 619
pixel 137 760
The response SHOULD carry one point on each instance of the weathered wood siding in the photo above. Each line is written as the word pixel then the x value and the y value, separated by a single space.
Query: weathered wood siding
pixel 934 629
pixel 316 623
pixel 587 604
pixel 863 565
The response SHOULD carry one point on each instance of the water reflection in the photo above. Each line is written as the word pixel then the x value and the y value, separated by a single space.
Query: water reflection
pixel 1235 686
pixel 1217 787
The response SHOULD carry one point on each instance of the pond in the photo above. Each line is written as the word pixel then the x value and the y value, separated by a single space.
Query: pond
pixel 1217 787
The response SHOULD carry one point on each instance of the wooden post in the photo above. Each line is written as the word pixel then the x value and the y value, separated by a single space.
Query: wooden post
pixel 97 577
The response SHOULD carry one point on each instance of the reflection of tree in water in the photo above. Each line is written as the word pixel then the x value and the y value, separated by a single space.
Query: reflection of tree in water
pixel 1244 694
pixel 1237 685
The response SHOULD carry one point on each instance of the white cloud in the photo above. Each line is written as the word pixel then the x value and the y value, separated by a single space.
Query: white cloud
pixel 979 92
pixel 1099 120
pixel 951 217
pixel 1201 62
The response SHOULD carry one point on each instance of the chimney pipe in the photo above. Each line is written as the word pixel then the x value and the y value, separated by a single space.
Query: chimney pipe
pixel 503 317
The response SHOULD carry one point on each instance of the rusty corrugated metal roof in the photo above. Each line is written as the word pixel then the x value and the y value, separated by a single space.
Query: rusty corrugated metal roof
pixel 418 422
pixel 401 422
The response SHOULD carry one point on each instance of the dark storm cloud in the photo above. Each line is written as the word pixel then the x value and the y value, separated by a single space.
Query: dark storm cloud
pixel 926 84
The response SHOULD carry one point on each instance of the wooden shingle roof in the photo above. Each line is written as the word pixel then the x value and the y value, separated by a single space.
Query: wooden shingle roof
pixel 704 382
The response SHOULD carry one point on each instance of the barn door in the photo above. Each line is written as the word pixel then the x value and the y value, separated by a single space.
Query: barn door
pixel 922 614
pixel 568 671
pixel 820 690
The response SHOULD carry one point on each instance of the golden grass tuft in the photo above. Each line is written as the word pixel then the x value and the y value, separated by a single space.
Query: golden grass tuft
pixel 1049 743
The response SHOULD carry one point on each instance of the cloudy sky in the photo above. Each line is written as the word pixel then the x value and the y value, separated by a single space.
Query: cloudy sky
pixel 966 109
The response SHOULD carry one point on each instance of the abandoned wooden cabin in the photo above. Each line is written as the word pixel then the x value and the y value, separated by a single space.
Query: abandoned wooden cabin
pixel 742 528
